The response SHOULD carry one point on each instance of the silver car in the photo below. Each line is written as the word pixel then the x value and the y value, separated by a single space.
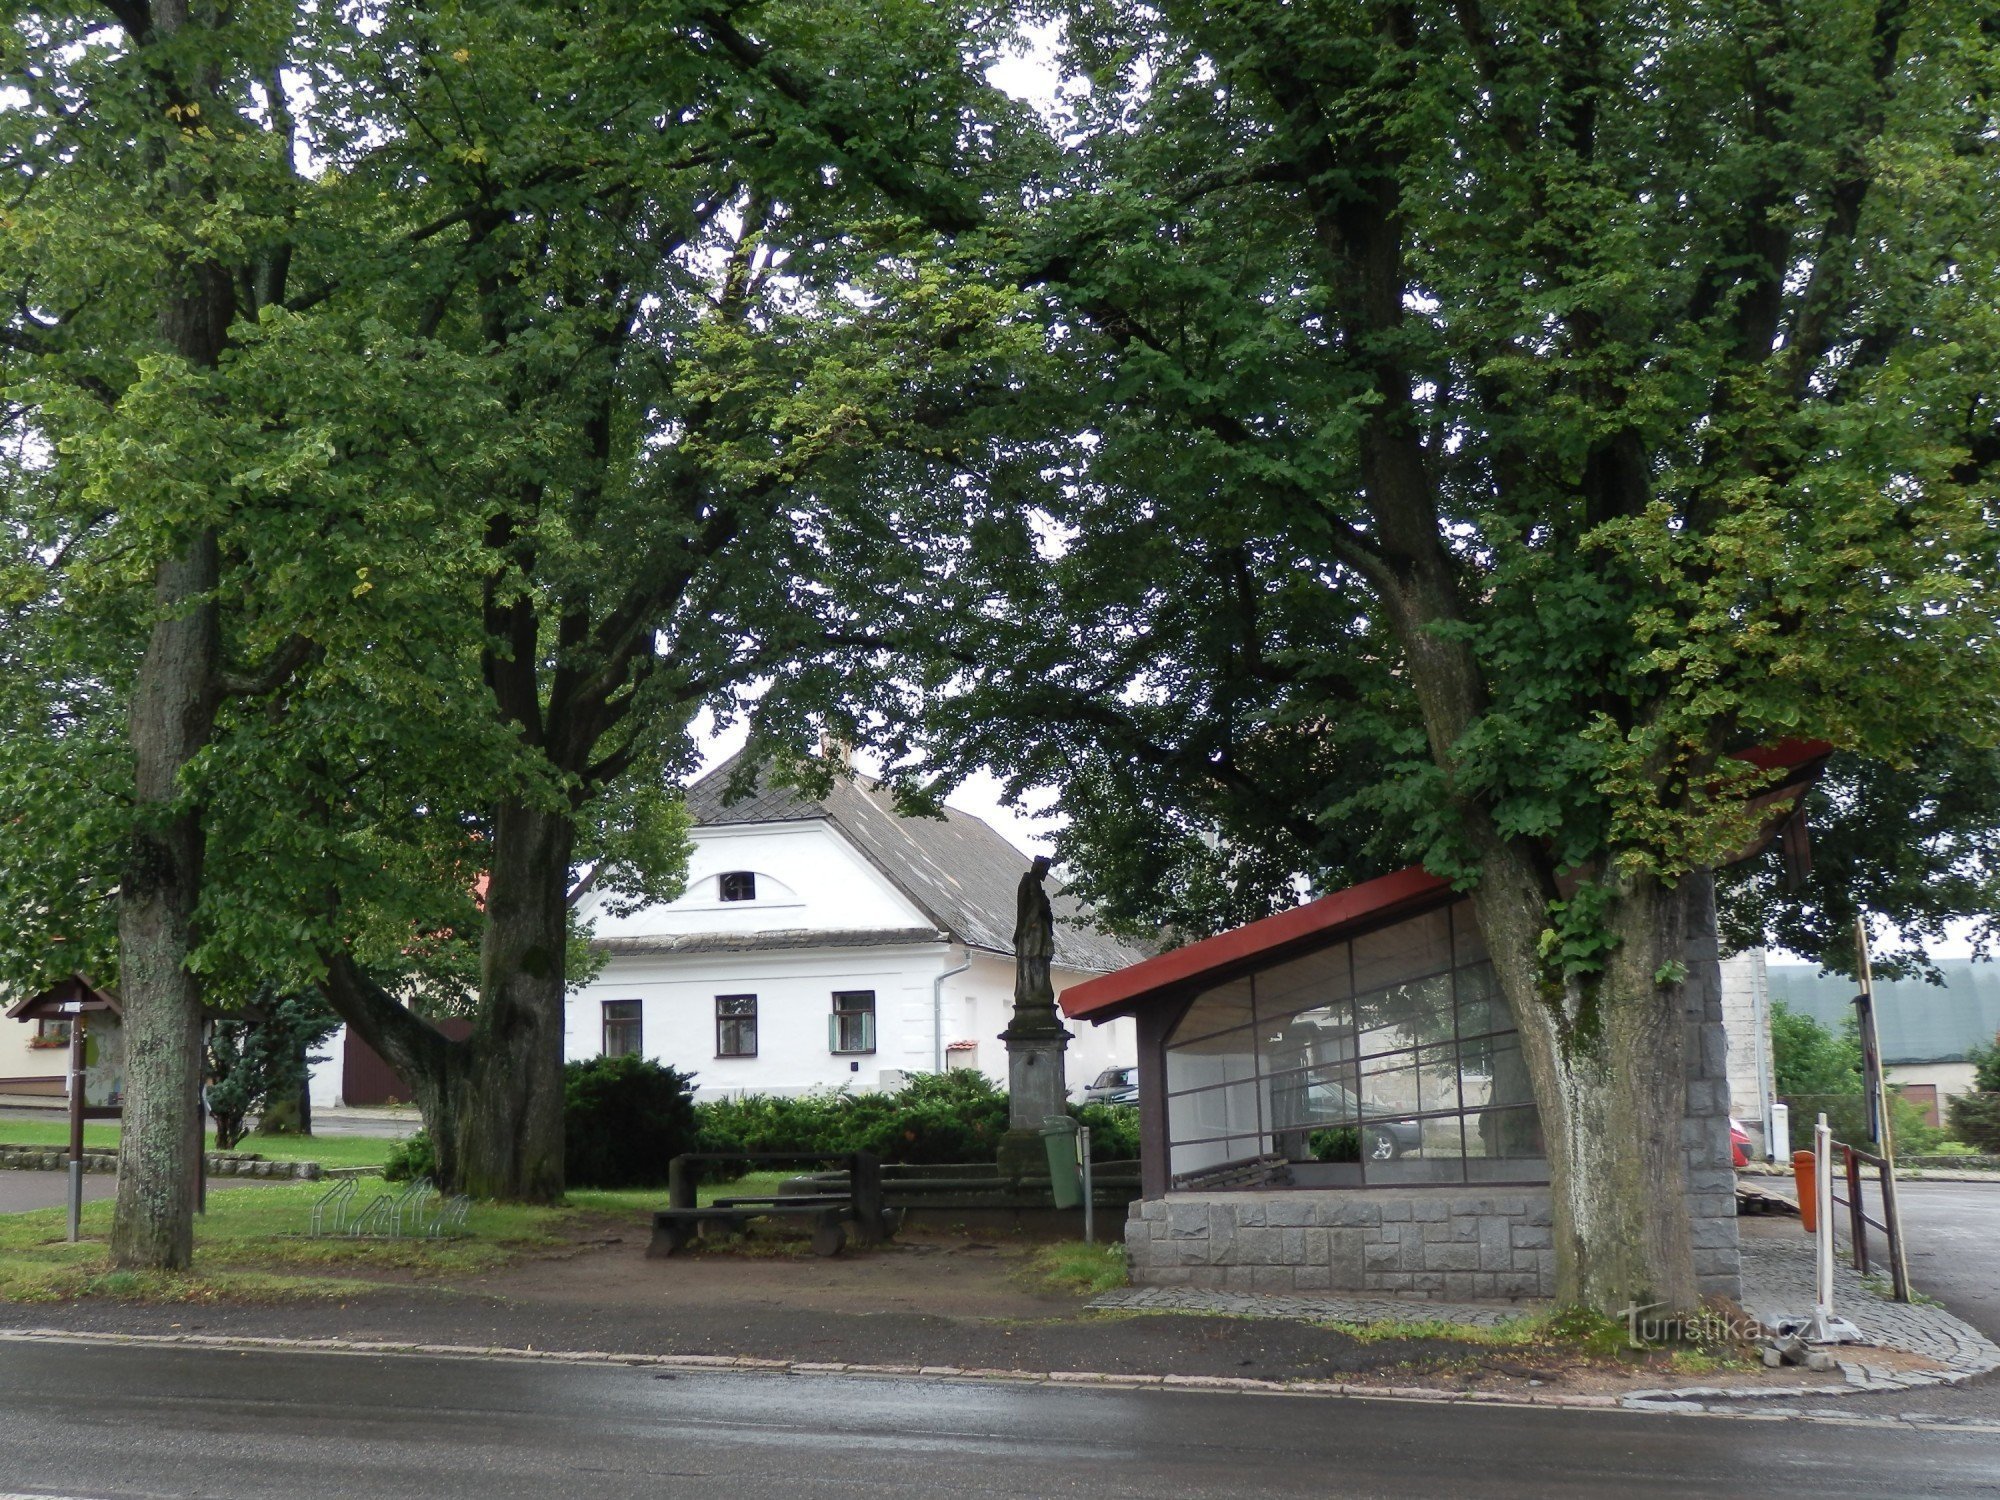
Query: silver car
pixel 1113 1086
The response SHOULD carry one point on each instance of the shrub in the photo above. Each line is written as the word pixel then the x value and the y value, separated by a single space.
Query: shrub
pixel 624 1119
pixel 1975 1119
pixel 410 1158
pixel 1809 1058
pixel 934 1118
pixel 1114 1130
pixel 1341 1143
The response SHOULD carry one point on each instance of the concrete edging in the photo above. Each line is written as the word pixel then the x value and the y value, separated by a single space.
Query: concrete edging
pixel 1658 1402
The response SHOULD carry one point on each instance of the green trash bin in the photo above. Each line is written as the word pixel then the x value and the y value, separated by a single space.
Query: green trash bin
pixel 1059 1137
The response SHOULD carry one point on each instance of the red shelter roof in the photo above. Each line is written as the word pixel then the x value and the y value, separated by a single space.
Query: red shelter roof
pixel 1373 901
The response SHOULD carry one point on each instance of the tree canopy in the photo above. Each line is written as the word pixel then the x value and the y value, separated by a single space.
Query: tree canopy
pixel 1474 426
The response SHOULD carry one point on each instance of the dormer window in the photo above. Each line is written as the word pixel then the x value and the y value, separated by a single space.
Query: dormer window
pixel 739 885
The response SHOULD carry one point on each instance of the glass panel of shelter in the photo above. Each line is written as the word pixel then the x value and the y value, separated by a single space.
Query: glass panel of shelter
pixel 1375 1060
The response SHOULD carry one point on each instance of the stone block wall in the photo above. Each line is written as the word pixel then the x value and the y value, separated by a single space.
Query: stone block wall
pixel 1746 1014
pixel 1711 1174
pixel 1449 1244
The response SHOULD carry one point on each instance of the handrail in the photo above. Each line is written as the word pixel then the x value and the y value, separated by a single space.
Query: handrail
pixel 1859 1223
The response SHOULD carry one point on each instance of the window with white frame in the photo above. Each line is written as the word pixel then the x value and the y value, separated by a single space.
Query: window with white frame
pixel 738 885
pixel 735 1025
pixel 851 1028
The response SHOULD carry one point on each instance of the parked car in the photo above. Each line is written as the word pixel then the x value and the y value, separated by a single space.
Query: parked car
pixel 1329 1106
pixel 1739 1142
pixel 1113 1086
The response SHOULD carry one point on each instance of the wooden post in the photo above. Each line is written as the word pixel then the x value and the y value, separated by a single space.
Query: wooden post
pixel 76 1076
pixel 1878 1108
pixel 680 1184
pixel 864 1188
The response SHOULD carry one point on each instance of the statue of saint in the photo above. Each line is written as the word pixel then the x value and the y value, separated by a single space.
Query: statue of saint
pixel 1034 944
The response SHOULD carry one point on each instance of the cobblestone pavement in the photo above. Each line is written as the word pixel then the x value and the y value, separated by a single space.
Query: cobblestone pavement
pixel 1777 1280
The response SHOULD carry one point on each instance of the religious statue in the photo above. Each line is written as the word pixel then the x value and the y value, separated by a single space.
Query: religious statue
pixel 1034 944
pixel 1034 1036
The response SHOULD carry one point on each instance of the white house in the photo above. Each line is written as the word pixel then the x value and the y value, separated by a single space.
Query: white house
pixel 828 942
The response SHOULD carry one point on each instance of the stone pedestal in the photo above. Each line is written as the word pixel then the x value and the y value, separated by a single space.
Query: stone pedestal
pixel 1036 1088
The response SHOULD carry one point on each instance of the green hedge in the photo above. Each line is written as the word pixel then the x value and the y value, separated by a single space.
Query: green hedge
pixel 934 1118
pixel 625 1118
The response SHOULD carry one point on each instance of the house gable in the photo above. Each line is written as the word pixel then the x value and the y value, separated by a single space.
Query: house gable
pixel 807 877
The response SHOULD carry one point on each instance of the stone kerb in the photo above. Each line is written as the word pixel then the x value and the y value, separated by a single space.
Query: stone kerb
pixel 220 1164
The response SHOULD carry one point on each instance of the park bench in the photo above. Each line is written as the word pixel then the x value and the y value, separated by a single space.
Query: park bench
pixel 858 1202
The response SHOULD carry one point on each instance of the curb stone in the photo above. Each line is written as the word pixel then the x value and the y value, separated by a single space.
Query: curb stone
pixel 97 1160
pixel 1656 1402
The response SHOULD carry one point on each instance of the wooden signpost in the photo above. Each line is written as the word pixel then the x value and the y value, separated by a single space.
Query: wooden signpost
pixel 75 1000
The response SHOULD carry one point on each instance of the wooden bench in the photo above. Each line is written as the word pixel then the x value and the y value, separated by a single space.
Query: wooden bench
pixel 860 1205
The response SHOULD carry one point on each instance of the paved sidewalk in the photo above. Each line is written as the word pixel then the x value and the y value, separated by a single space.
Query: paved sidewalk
pixel 1777 1280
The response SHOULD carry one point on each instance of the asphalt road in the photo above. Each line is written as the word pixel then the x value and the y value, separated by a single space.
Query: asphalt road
pixel 1953 1230
pixel 104 1422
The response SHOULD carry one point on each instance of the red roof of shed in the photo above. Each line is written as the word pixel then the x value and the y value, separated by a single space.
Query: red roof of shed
pixel 1404 892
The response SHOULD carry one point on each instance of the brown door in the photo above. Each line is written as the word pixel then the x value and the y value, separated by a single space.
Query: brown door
pixel 367 1078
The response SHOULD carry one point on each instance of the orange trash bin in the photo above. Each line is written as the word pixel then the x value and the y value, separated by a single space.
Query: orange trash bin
pixel 1806 1174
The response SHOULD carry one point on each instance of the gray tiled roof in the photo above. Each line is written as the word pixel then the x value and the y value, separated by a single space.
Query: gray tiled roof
pixel 957 871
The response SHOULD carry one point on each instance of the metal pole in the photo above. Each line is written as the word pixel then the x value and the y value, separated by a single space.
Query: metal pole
pixel 76 1072
pixel 1089 1188
pixel 1878 1111
pixel 1823 1232
pixel 1857 1218
pixel 201 1124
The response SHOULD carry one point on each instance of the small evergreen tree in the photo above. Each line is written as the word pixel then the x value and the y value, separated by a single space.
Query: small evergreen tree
pixel 259 1063
pixel 1975 1117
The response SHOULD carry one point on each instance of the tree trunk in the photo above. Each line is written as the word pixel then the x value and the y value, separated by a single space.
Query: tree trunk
pixel 493 1103
pixel 508 1127
pixel 173 713
pixel 302 1086
pixel 1607 1053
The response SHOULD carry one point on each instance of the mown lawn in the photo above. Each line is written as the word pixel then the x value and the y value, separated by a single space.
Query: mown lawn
pixel 327 1150
pixel 253 1246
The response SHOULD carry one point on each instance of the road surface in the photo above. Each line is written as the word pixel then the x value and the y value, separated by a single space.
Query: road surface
pixel 1953 1230
pixel 116 1423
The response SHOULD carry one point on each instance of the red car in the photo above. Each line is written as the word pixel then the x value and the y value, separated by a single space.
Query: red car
pixel 1739 1143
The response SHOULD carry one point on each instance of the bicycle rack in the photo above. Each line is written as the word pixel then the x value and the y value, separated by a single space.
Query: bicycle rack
pixel 331 1207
